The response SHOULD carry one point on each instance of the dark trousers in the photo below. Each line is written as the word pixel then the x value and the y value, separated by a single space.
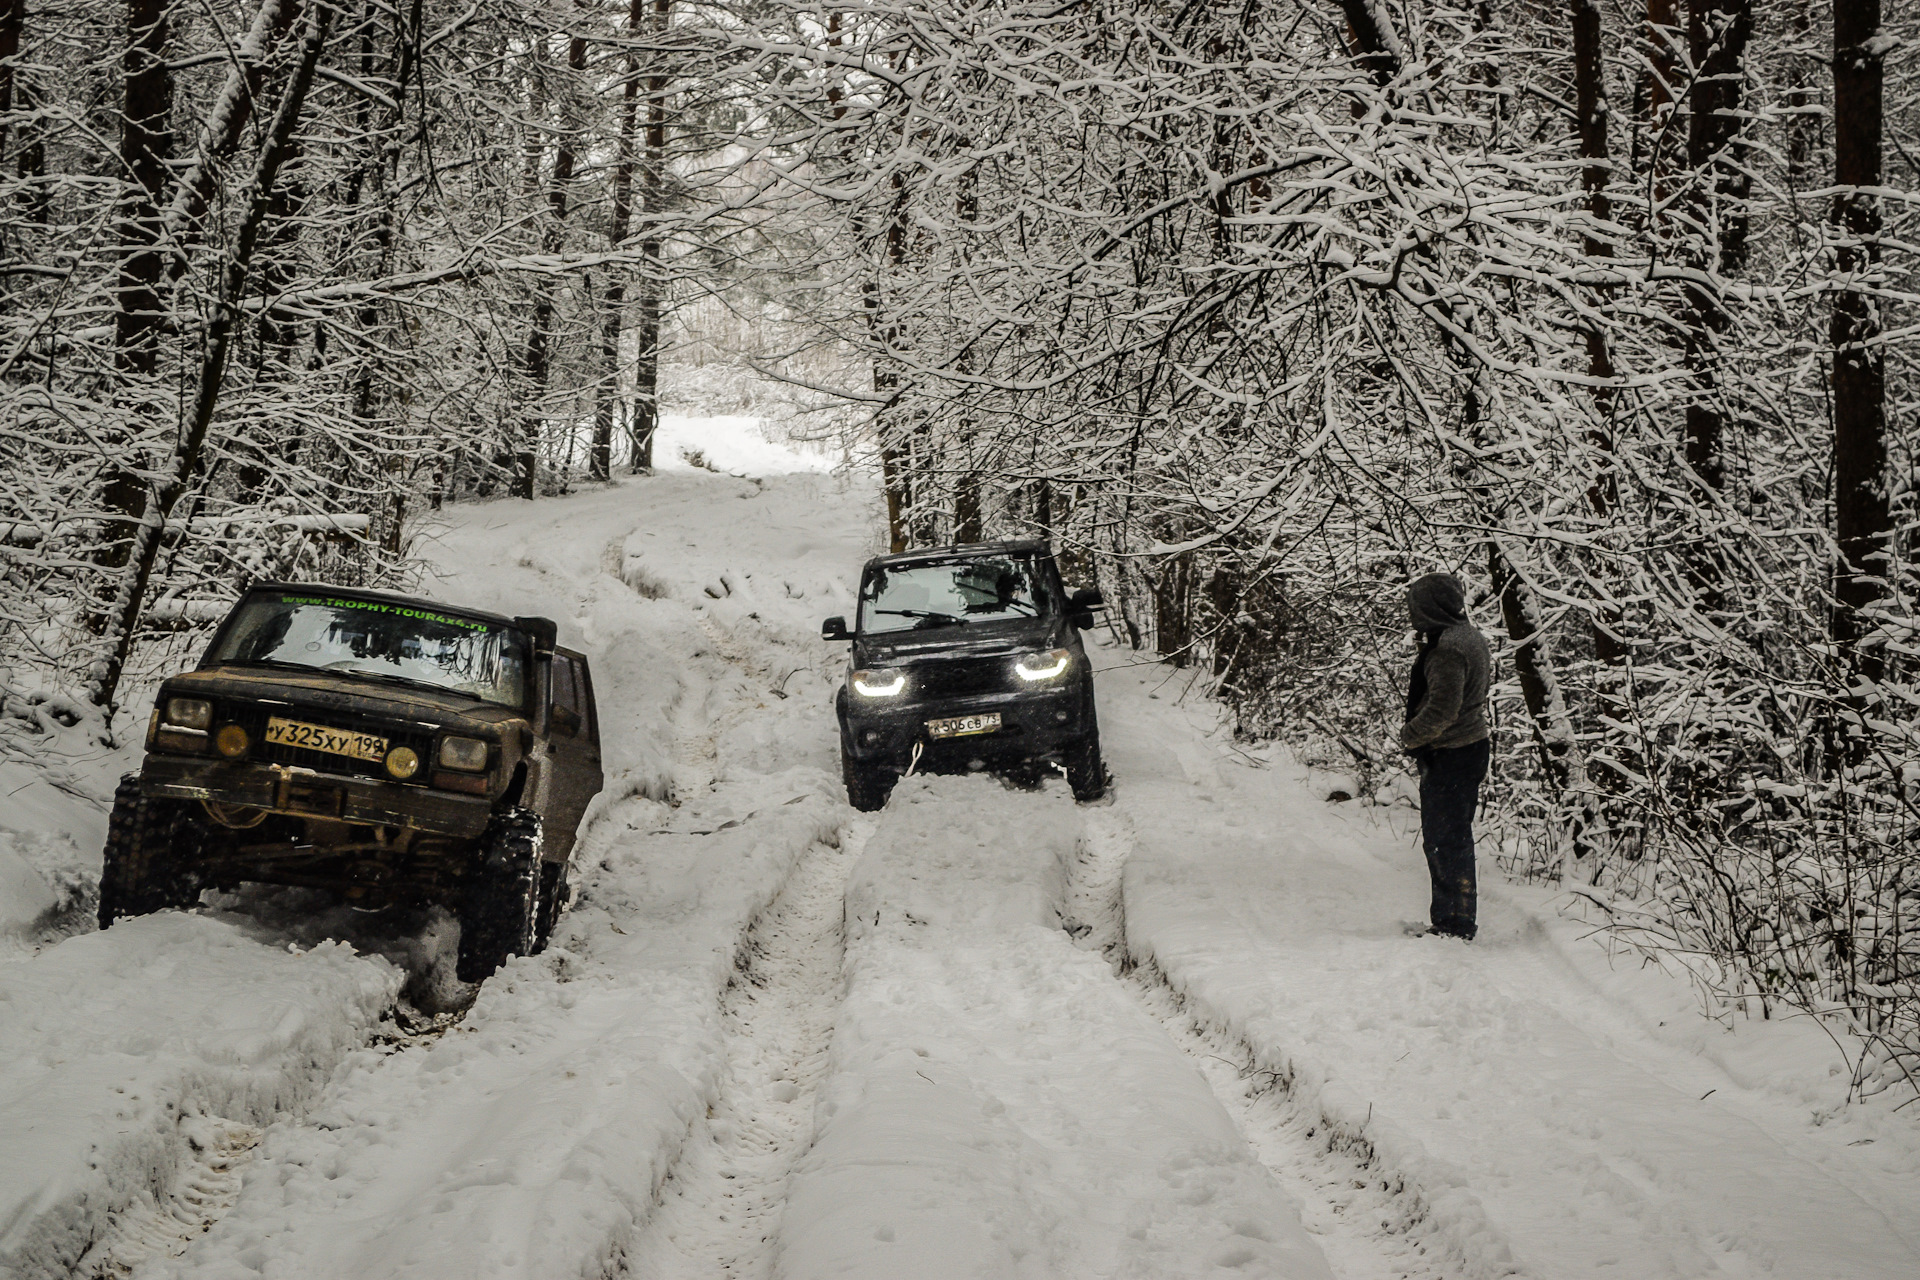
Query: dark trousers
pixel 1450 780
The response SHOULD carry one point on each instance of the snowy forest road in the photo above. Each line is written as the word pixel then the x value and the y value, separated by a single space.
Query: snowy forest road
pixel 986 1032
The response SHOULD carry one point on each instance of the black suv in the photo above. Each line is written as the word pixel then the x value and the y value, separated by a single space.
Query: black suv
pixel 391 749
pixel 966 658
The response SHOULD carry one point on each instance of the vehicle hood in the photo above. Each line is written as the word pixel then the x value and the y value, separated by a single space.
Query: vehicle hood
pixel 324 693
pixel 974 640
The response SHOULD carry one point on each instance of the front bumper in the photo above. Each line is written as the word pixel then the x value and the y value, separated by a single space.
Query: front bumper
pixel 309 793
pixel 1035 727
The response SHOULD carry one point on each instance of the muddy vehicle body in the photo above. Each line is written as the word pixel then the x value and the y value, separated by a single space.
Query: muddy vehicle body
pixel 390 749
pixel 967 658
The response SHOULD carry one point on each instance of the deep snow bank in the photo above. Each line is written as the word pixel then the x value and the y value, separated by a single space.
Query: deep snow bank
pixel 108 1041
pixel 530 1141
pixel 998 1105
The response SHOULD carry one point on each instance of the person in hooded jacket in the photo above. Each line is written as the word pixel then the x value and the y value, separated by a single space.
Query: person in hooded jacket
pixel 1446 734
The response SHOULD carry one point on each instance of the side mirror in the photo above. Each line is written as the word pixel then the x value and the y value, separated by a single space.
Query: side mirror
pixel 543 630
pixel 834 629
pixel 565 721
pixel 1087 598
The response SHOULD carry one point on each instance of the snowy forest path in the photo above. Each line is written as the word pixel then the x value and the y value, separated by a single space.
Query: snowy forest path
pixel 1537 1105
pixel 986 1031
pixel 721 1207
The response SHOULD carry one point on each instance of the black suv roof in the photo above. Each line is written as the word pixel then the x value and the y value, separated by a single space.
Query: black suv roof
pixel 1016 546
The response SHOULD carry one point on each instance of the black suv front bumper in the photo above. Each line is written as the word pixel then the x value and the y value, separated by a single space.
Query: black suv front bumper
pixel 1036 727
pixel 309 793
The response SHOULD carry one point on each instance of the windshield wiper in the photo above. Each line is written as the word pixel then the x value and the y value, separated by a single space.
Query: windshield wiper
pixel 269 662
pixel 926 618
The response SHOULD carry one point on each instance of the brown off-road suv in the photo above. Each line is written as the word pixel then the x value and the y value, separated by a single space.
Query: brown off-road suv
pixel 390 749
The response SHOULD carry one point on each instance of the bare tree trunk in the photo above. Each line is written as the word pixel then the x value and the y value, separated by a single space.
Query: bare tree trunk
pixel 165 490
pixel 1716 242
pixel 536 360
pixel 226 123
pixel 653 181
pixel 607 399
pixel 1862 521
pixel 146 143
pixel 968 525
pixel 1590 104
pixel 1173 609
pixel 1662 43
pixel 13 20
pixel 379 171
pixel 1374 46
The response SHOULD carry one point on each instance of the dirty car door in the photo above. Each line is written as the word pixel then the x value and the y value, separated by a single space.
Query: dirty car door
pixel 573 734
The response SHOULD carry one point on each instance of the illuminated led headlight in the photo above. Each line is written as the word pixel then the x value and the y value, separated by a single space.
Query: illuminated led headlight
pixel 189 713
pixel 1035 667
pixel 469 754
pixel 879 684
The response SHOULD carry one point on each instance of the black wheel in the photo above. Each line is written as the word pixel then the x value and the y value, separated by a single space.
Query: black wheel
pixel 140 868
pixel 555 893
pixel 867 789
pixel 1086 771
pixel 500 914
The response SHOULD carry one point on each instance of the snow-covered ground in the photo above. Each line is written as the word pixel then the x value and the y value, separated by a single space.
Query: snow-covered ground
pixel 985 1032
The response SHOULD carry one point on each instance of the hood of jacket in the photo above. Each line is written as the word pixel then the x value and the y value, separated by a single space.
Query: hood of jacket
pixel 1437 602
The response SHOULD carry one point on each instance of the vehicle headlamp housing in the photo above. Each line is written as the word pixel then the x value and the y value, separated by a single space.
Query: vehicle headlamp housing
pixel 879 683
pixel 468 754
pixel 1034 668
pixel 189 713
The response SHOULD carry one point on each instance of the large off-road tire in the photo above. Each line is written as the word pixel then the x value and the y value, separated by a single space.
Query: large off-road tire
pixel 500 912
pixel 144 865
pixel 867 789
pixel 1086 771
pixel 555 893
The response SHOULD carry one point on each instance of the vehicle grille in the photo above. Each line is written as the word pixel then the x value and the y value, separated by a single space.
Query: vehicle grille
pixel 254 720
pixel 963 676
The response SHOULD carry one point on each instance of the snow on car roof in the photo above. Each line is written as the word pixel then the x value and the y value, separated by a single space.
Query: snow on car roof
pixel 962 550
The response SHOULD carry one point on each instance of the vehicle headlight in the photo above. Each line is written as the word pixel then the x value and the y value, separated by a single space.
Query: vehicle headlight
pixel 879 684
pixel 404 762
pixel 469 754
pixel 231 742
pixel 189 713
pixel 1035 667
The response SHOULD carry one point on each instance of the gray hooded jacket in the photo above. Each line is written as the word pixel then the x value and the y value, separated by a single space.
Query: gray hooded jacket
pixel 1447 705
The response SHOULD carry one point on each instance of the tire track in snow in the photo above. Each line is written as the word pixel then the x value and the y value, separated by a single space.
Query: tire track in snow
pixel 197 1196
pixel 722 1205
pixel 1370 1220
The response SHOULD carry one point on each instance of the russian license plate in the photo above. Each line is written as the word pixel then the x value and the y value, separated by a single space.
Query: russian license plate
pixel 961 726
pixel 318 737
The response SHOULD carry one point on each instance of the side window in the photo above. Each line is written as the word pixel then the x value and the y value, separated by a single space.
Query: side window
pixel 572 693
pixel 566 688
pixel 583 686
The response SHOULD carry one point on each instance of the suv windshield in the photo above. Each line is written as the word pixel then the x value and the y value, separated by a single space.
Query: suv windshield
pixel 948 593
pixel 380 639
